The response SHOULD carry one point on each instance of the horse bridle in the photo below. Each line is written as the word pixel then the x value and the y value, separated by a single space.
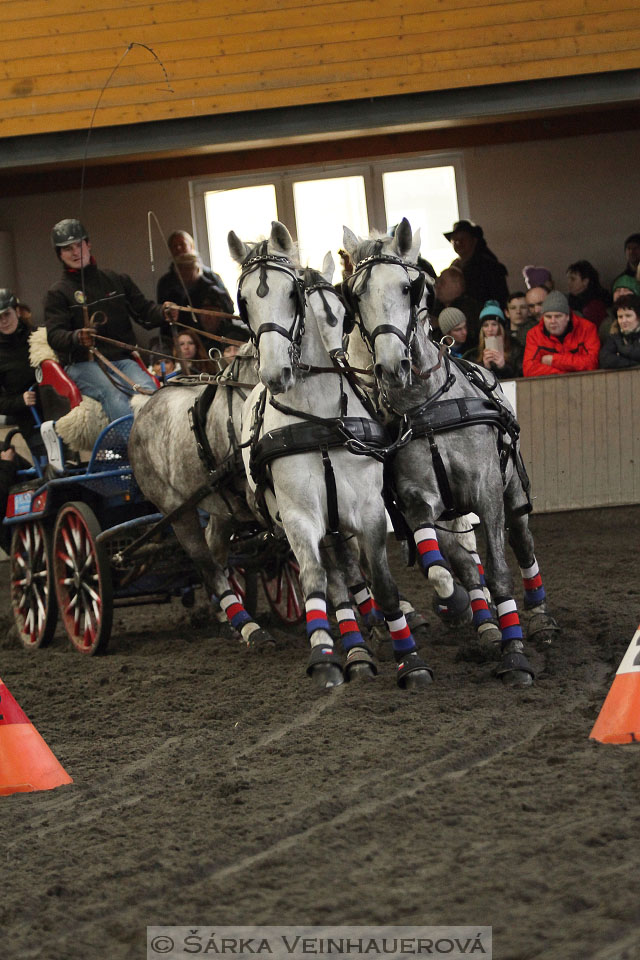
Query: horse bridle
pixel 363 270
pixel 263 261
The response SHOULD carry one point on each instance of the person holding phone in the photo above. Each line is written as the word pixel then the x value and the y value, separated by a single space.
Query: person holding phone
pixel 495 351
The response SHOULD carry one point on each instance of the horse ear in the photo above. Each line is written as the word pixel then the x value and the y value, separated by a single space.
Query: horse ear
pixel 415 246
pixel 237 248
pixel 328 266
pixel 403 237
pixel 281 237
pixel 349 241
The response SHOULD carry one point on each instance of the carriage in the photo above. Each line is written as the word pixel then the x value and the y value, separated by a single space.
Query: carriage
pixel 85 541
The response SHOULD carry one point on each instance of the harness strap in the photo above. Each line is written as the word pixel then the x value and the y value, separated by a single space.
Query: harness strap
pixel 106 366
pixel 197 421
pixel 333 514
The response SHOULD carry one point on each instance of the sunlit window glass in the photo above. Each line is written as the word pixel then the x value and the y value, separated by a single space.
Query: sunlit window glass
pixel 246 210
pixel 428 199
pixel 322 207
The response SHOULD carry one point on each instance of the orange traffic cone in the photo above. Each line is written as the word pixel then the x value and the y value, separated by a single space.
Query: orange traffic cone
pixel 26 762
pixel 619 718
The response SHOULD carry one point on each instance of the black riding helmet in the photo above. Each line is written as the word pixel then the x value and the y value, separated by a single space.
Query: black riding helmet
pixel 7 299
pixel 66 232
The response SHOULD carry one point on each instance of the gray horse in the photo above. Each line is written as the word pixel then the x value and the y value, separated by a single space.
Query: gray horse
pixel 299 453
pixel 448 466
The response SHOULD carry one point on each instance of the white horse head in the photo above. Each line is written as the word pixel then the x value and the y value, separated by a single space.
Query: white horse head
pixel 271 302
pixel 385 291
pixel 325 313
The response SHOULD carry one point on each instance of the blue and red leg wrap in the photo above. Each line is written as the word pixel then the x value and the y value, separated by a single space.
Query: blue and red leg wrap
pixel 428 548
pixel 316 610
pixel 367 607
pixel 479 606
pixel 401 636
pixel 534 592
pixel 508 620
pixel 349 631
pixel 236 613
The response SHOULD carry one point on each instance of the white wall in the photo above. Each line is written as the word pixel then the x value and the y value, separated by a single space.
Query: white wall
pixel 546 203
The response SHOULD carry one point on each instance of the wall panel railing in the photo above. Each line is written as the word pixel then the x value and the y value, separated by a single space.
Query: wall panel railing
pixel 580 438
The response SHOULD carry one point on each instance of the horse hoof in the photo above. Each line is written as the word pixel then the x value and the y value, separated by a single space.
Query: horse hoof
pixel 454 609
pixel 260 641
pixel 360 665
pixel 417 624
pixel 514 669
pixel 324 667
pixel 381 643
pixel 517 679
pixel 418 679
pixel 326 675
pixel 413 672
pixel 361 673
pixel 541 627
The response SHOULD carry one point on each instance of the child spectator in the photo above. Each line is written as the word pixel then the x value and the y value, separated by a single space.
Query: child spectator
pixel 453 324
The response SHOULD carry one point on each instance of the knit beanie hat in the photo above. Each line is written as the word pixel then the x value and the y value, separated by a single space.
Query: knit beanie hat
pixel 492 309
pixel 537 277
pixel 555 302
pixel 628 282
pixel 449 318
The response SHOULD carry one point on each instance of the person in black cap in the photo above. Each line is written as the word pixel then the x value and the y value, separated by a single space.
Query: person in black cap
pixel 484 275
pixel 112 299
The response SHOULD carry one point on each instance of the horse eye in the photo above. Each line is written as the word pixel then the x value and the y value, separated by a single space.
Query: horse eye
pixel 406 290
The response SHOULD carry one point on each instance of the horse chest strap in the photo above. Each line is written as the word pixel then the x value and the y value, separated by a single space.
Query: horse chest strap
pixel 197 421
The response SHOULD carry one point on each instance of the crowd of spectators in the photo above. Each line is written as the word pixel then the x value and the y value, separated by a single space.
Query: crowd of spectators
pixel 541 330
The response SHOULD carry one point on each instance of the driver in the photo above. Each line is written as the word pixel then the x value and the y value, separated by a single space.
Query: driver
pixel 111 300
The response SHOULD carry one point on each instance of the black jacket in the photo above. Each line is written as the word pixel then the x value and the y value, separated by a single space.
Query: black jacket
pixel 208 292
pixel 16 376
pixel 620 351
pixel 109 295
pixel 485 276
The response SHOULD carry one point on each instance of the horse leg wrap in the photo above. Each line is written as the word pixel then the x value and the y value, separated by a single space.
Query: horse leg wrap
pixel 349 630
pixel 367 607
pixel 478 562
pixel 432 563
pixel 534 592
pixel 514 661
pixel 452 607
pixel 508 620
pixel 317 622
pixel 410 663
pixel 479 607
pixel 401 635
pixel 355 657
pixel 237 615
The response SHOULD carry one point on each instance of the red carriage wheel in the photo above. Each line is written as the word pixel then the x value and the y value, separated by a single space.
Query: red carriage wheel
pixel 33 599
pixel 82 579
pixel 244 583
pixel 284 592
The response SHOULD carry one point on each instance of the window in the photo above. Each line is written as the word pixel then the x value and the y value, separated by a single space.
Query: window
pixel 314 205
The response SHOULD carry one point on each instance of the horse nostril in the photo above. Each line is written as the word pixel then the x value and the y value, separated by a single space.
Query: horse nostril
pixel 405 367
pixel 377 370
pixel 287 375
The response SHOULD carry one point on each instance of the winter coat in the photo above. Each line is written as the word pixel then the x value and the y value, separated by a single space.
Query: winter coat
pixel 576 350
pixel 16 376
pixel 591 303
pixel 621 350
pixel 485 276
pixel 208 292
pixel 106 293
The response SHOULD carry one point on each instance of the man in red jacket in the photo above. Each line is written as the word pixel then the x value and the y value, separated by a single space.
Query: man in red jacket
pixel 563 341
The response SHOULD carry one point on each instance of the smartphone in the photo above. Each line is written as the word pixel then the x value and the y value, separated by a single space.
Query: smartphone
pixel 494 343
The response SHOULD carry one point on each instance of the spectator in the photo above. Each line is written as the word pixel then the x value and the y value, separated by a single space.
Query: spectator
pixel 17 376
pixel 192 355
pixel 562 342
pixel 453 324
pixel 535 297
pixel 188 282
pixel 632 253
pixel 113 299
pixel 494 349
pixel 484 275
pixel 537 277
pixel 586 294
pixel 16 396
pixel 622 287
pixel 517 313
pixel 621 350
pixel 450 292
